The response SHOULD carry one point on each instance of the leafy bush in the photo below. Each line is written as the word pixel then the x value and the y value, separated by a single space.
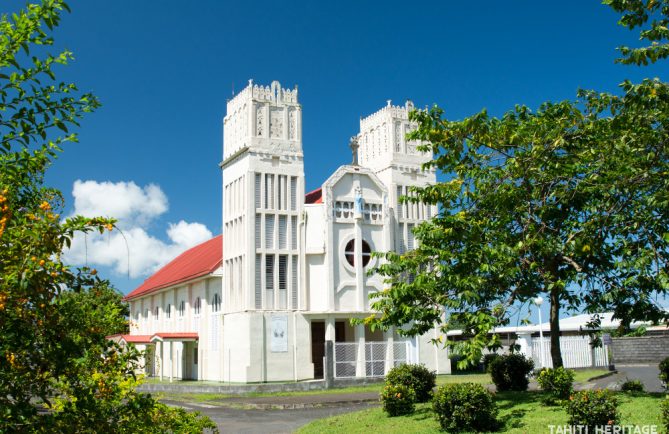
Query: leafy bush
pixel 557 382
pixel 664 372
pixel 487 360
pixel 416 377
pixel 398 399
pixel 632 386
pixel 510 372
pixel 592 408
pixel 465 407
pixel 664 407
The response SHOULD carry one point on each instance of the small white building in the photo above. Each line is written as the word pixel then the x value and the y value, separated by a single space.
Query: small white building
pixel 290 271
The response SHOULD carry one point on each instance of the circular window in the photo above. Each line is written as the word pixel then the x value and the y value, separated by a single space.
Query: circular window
pixel 349 253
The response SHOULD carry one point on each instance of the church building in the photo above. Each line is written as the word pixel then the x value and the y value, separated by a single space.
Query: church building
pixel 290 271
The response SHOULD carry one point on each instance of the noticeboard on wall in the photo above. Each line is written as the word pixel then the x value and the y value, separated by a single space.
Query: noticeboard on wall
pixel 279 331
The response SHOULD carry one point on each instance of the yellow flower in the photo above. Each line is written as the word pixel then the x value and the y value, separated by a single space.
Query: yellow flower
pixel 109 227
pixel 42 262
pixel 45 206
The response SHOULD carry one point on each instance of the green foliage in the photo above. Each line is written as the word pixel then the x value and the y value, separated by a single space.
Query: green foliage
pixel 592 408
pixel 57 369
pixel 416 377
pixel 465 407
pixel 398 400
pixel 557 382
pixel 488 359
pixel 664 408
pixel 652 16
pixel 664 372
pixel 632 386
pixel 511 372
pixel 570 200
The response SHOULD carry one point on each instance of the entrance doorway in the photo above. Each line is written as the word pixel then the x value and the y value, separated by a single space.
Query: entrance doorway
pixel 317 347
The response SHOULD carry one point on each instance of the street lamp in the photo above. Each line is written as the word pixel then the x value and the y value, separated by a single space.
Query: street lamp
pixel 537 301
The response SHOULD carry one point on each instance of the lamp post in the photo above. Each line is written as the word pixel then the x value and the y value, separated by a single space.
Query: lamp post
pixel 537 301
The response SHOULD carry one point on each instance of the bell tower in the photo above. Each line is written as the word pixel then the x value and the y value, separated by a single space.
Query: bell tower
pixel 385 149
pixel 263 191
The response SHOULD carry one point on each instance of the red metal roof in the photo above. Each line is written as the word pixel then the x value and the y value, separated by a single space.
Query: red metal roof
pixel 132 339
pixel 195 262
pixel 315 196
pixel 174 336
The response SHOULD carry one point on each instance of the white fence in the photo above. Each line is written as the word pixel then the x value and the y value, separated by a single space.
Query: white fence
pixel 376 356
pixel 576 352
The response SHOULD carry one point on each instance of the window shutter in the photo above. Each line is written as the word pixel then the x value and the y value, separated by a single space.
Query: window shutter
pixel 283 281
pixel 269 231
pixel 258 230
pixel 293 232
pixel 293 193
pixel 258 291
pixel 257 189
pixel 269 282
pixel 283 231
pixel 294 281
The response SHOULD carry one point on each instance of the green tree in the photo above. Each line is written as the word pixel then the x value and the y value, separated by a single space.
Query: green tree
pixel 58 372
pixel 570 200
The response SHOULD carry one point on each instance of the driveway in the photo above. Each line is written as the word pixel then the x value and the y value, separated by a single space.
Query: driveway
pixel 233 420
pixel 648 374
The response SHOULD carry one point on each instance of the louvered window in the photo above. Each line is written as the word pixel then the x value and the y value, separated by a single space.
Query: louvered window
pixel 168 311
pixel 293 193
pixel 257 189
pixel 156 313
pixel 269 282
pixel 269 191
pixel 400 211
pixel 279 191
pixel 410 237
pixel 269 231
pixel 283 231
pixel 294 281
pixel 258 230
pixel 258 293
pixel 283 281
pixel 293 232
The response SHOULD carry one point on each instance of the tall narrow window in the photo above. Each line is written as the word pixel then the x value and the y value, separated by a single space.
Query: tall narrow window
pixel 269 231
pixel 197 307
pixel 216 303
pixel 410 237
pixel 156 313
pixel 293 232
pixel 257 231
pixel 168 311
pixel 400 212
pixel 269 191
pixel 283 281
pixel 269 282
pixel 257 189
pixel 293 193
pixel 283 231
pixel 258 292
pixel 280 195
pixel 293 280
pixel 182 308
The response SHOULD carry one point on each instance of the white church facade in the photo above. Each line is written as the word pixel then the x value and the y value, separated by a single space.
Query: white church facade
pixel 291 269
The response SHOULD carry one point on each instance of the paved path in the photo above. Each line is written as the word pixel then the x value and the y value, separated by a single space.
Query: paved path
pixel 648 374
pixel 236 420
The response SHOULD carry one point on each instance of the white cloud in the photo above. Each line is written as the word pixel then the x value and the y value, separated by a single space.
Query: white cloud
pixel 131 249
pixel 125 201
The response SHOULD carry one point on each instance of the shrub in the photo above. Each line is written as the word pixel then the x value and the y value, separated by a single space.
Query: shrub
pixel 664 372
pixel 664 407
pixel 417 377
pixel 487 360
pixel 510 372
pixel 398 399
pixel 632 386
pixel 465 407
pixel 557 382
pixel 592 408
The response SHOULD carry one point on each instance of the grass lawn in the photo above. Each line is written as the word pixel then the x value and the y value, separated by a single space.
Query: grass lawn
pixel 520 412
pixel 481 378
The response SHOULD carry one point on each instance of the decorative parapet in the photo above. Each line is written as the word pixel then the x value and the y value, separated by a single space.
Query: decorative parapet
pixel 388 112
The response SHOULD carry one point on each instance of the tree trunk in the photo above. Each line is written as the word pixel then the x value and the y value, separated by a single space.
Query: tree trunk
pixel 556 354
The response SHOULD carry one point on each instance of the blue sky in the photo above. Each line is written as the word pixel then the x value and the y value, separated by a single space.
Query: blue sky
pixel 164 70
